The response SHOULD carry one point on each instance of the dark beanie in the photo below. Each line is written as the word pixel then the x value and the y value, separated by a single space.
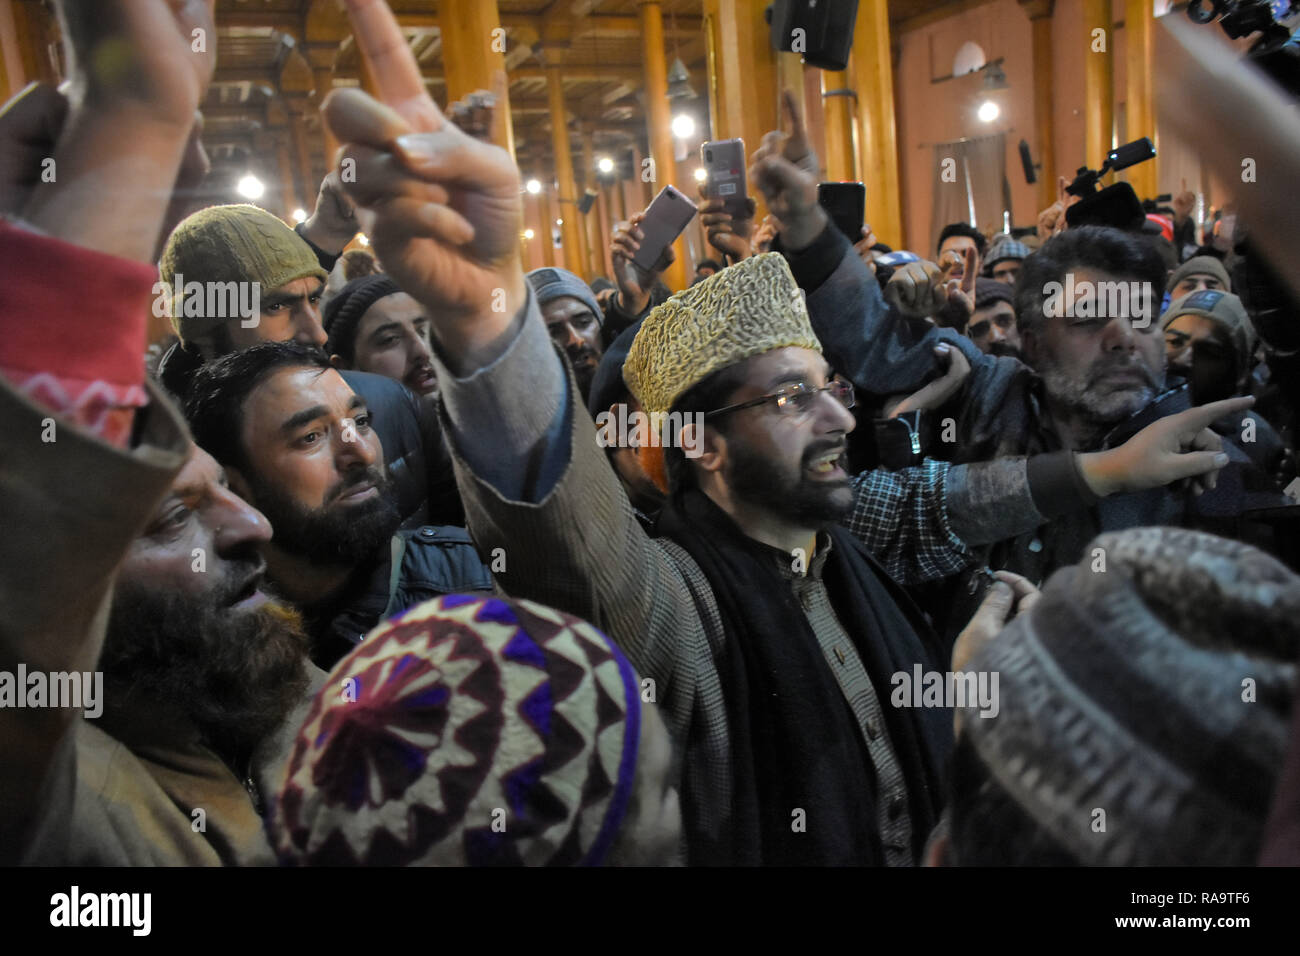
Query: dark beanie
pixel 1152 681
pixel 551 283
pixel 1200 266
pixel 343 312
pixel 989 291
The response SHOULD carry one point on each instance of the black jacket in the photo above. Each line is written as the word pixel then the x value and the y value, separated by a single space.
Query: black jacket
pixel 431 561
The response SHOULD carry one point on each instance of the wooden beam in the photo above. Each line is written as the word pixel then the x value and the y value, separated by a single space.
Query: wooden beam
pixel 602 24
pixel 583 71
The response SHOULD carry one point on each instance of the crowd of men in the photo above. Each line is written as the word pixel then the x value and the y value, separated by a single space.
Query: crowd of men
pixel 435 561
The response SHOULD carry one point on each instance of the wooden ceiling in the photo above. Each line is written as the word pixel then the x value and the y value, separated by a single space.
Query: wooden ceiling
pixel 263 46
pixel 267 50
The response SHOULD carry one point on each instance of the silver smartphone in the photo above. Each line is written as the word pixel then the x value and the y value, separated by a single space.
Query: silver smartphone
pixel 664 221
pixel 724 163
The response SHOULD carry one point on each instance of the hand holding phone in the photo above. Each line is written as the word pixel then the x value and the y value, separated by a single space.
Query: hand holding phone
pixel 724 165
pixel 665 218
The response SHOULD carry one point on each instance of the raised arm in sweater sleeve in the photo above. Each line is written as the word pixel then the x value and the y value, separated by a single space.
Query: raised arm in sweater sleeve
pixel 866 341
pixel 510 418
pixel 536 484
pixel 71 500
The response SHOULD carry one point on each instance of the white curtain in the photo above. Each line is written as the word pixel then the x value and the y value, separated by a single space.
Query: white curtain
pixel 975 188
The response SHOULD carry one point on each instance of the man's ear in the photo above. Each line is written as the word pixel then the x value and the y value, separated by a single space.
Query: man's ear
pixel 337 361
pixel 712 445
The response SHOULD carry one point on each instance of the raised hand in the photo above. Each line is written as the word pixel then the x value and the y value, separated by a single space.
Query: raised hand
pixel 333 223
pixel 137 71
pixel 140 56
pixel 961 291
pixel 1183 203
pixel 730 236
pixel 446 207
pixel 1052 219
pixel 761 241
pixel 1170 449
pixel 478 114
pixel 1010 594
pixel 936 393
pixel 922 289
pixel 785 171
pixel 635 283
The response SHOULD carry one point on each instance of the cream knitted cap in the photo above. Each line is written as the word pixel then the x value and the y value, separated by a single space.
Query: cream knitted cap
pixel 744 310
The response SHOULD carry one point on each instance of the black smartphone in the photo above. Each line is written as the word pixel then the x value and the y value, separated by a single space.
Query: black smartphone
pixel 846 204
pixel 724 164
pixel 664 221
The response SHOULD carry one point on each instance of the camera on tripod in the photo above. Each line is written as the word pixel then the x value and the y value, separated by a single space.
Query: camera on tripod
pixel 1116 205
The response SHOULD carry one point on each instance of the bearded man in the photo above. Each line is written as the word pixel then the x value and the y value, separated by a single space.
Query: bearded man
pixel 300 445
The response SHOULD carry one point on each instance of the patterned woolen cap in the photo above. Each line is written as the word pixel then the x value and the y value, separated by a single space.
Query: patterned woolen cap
pixel 466 731
pixel 744 310
pixel 239 243
pixel 1157 691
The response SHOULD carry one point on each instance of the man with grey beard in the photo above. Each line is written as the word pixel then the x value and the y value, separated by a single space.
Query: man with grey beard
pixel 1092 376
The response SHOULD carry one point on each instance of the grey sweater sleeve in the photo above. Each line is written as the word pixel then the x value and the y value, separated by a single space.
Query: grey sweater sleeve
pixel 990 501
pixel 510 419
pixel 879 350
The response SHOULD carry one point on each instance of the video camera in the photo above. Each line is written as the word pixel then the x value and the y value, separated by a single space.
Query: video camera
pixel 1116 205
pixel 1277 51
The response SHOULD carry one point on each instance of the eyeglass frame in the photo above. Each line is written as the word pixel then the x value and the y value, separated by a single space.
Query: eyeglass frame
pixel 788 395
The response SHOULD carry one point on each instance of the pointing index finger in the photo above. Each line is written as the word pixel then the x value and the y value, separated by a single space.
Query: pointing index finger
pixel 392 65
pixel 1205 415
pixel 793 121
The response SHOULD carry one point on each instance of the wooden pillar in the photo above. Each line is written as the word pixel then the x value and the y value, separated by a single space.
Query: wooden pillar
pixel 31 38
pixel 742 71
pixel 288 191
pixel 1098 81
pixel 547 209
pixel 473 49
pixel 620 200
pixel 873 73
pixel 1040 21
pixel 642 190
pixel 659 120
pixel 838 105
pixel 12 76
pixel 1140 111
pixel 591 221
pixel 324 82
pixel 789 77
pixel 302 153
pixel 604 230
pixel 575 253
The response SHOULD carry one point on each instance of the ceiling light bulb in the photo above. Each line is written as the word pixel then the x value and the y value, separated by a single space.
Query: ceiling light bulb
pixel 250 187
